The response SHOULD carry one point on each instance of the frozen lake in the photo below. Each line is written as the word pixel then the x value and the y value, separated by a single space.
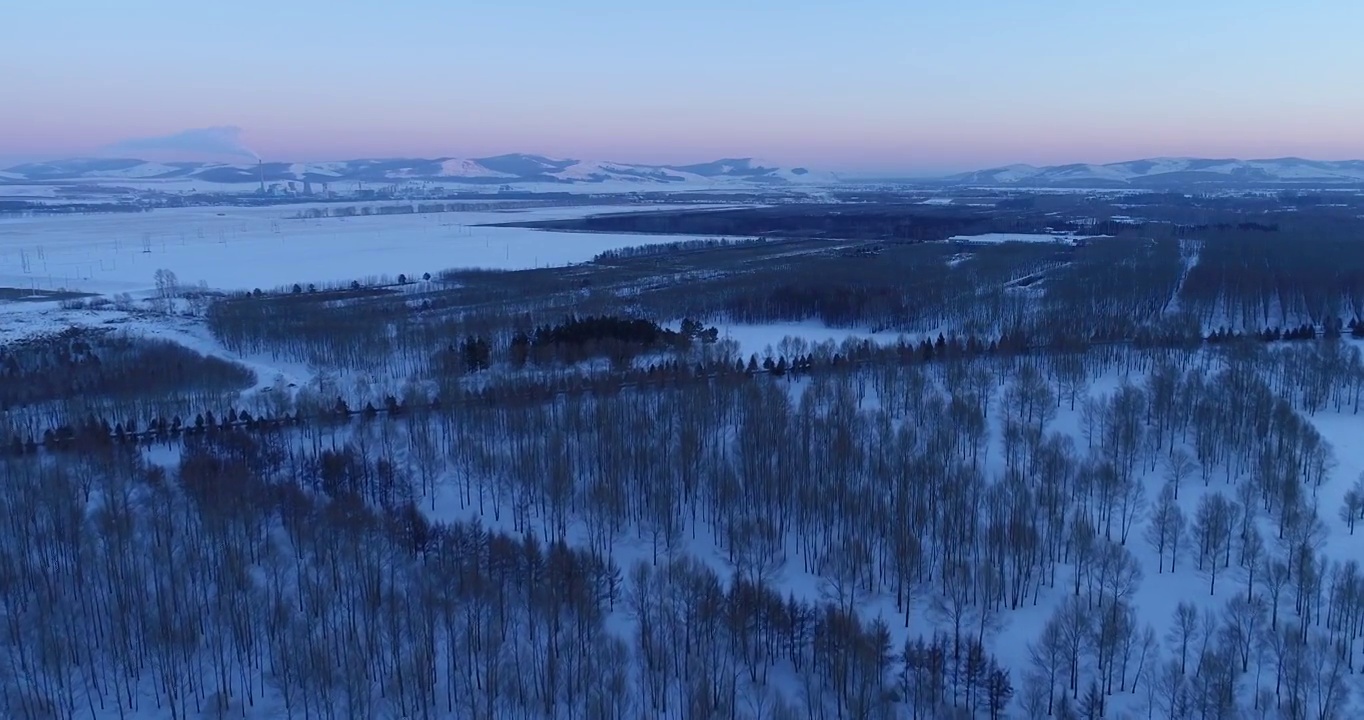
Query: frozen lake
pixel 234 248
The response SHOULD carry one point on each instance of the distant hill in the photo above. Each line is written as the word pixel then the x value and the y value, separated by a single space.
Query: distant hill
pixel 1169 173
pixel 523 169
pixel 498 170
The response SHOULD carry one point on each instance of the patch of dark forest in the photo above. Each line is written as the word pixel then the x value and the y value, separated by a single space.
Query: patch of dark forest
pixel 99 363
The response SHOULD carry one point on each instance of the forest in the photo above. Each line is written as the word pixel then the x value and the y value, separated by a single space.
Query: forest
pixel 84 364
pixel 859 222
pixel 1118 479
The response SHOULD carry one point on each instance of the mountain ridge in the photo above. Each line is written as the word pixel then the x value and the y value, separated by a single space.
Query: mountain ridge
pixel 508 169
pixel 1171 172
pixel 1156 173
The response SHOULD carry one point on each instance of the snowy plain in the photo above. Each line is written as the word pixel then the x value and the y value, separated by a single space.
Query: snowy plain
pixel 240 248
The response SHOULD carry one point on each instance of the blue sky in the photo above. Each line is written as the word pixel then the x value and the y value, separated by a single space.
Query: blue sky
pixel 868 85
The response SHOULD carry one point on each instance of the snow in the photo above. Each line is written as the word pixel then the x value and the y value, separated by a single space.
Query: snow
pixel 590 171
pixel 1287 169
pixel 604 187
pixel 459 167
pixel 1154 600
pixel 757 338
pixel 19 321
pixel 461 173
pixel 1163 165
pixel 1092 172
pixel 1342 431
pixel 1306 170
pixel 246 247
pixel 995 238
pixel 143 170
pixel 235 248
pixel 298 170
pixel 1013 173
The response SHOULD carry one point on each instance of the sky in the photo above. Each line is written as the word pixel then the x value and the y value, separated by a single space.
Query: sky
pixel 872 86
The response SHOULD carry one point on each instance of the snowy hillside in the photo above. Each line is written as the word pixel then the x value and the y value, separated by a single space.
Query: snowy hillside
pixel 1169 172
pixel 460 167
pixel 500 170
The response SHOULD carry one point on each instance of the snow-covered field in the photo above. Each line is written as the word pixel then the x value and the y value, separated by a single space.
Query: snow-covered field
pixel 996 238
pixel 764 339
pixel 236 248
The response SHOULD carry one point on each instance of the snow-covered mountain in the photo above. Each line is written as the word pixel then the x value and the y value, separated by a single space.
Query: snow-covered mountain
pixel 521 169
pixel 1174 172
pixel 499 170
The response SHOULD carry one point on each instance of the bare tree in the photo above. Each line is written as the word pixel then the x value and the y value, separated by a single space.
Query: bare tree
pixel 1179 466
pixel 1162 532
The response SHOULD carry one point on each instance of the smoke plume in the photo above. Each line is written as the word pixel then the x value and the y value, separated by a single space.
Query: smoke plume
pixel 222 141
